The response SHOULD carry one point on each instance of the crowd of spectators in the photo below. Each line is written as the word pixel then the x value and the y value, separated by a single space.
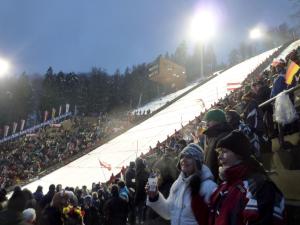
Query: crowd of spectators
pixel 36 154
pixel 121 202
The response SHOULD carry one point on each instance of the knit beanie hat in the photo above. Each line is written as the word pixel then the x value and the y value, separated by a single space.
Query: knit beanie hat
pixel 236 142
pixel 193 151
pixel 29 215
pixel 216 115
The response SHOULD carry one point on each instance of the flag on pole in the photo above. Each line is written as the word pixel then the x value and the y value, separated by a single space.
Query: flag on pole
pixel 6 129
pixel 75 110
pixel 46 116
pixel 53 113
pixel 291 71
pixel 22 125
pixel 105 165
pixel 14 127
pixel 59 111
pixel 233 86
pixel 67 108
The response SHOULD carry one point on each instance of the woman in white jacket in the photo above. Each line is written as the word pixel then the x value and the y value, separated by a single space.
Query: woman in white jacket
pixel 187 203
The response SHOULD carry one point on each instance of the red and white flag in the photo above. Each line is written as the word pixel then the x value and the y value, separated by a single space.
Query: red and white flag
pixel 233 86
pixel 105 165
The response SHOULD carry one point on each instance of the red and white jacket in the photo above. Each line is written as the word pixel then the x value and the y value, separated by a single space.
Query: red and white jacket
pixel 233 203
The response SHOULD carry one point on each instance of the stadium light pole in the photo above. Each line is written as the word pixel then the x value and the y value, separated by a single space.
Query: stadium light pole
pixel 255 34
pixel 202 29
pixel 4 67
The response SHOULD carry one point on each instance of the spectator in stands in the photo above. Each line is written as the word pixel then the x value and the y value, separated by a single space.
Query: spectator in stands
pixel 29 216
pixel 252 114
pixel 73 216
pixel 141 179
pixel 130 183
pixel 48 197
pixel 38 194
pixel 233 119
pixel 53 213
pixel 167 172
pixel 115 208
pixel 262 94
pixel 30 201
pixel 217 127
pixel 123 191
pixel 12 215
pixel 261 90
pixel 91 213
pixel 58 188
pixel 85 191
pixel 240 200
pixel 130 176
pixel 187 203
pixel 279 84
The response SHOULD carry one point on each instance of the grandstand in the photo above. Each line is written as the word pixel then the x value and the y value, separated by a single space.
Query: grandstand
pixel 136 141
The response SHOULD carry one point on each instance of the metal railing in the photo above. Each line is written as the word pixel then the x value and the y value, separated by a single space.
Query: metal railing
pixel 274 98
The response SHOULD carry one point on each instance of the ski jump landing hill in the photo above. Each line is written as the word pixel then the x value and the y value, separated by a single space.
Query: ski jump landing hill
pixel 126 147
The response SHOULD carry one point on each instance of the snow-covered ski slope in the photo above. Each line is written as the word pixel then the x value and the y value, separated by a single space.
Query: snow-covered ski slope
pixel 126 147
pixel 158 103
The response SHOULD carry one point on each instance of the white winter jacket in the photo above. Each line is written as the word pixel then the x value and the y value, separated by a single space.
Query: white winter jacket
pixel 177 207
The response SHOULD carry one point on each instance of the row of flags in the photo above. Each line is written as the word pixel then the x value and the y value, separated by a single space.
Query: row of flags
pixel 53 113
pixel 13 128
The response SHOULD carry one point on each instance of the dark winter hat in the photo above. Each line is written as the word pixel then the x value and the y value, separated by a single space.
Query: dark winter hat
pixel 216 115
pixel 114 190
pixel 52 187
pixel 193 151
pixel 236 142
pixel 132 164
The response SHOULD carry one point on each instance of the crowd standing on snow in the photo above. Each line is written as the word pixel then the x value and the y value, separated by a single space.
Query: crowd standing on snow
pixel 208 172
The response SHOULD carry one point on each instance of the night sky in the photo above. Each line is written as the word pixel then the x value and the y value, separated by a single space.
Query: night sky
pixel 76 35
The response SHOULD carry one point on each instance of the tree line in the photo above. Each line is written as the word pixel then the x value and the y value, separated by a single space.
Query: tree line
pixel 28 96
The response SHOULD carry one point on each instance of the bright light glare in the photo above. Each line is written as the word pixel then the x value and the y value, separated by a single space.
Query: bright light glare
pixel 4 67
pixel 203 26
pixel 255 33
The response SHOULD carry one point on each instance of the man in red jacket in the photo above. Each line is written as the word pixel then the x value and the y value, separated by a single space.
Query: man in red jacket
pixel 246 195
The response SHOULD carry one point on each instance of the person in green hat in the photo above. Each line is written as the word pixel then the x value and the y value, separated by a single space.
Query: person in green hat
pixel 217 128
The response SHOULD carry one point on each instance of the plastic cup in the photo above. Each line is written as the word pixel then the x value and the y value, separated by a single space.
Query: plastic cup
pixel 152 181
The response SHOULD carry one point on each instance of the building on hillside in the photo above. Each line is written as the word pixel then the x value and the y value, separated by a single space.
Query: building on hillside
pixel 171 75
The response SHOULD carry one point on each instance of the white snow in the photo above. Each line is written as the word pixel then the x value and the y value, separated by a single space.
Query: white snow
pixel 126 147
pixel 158 103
